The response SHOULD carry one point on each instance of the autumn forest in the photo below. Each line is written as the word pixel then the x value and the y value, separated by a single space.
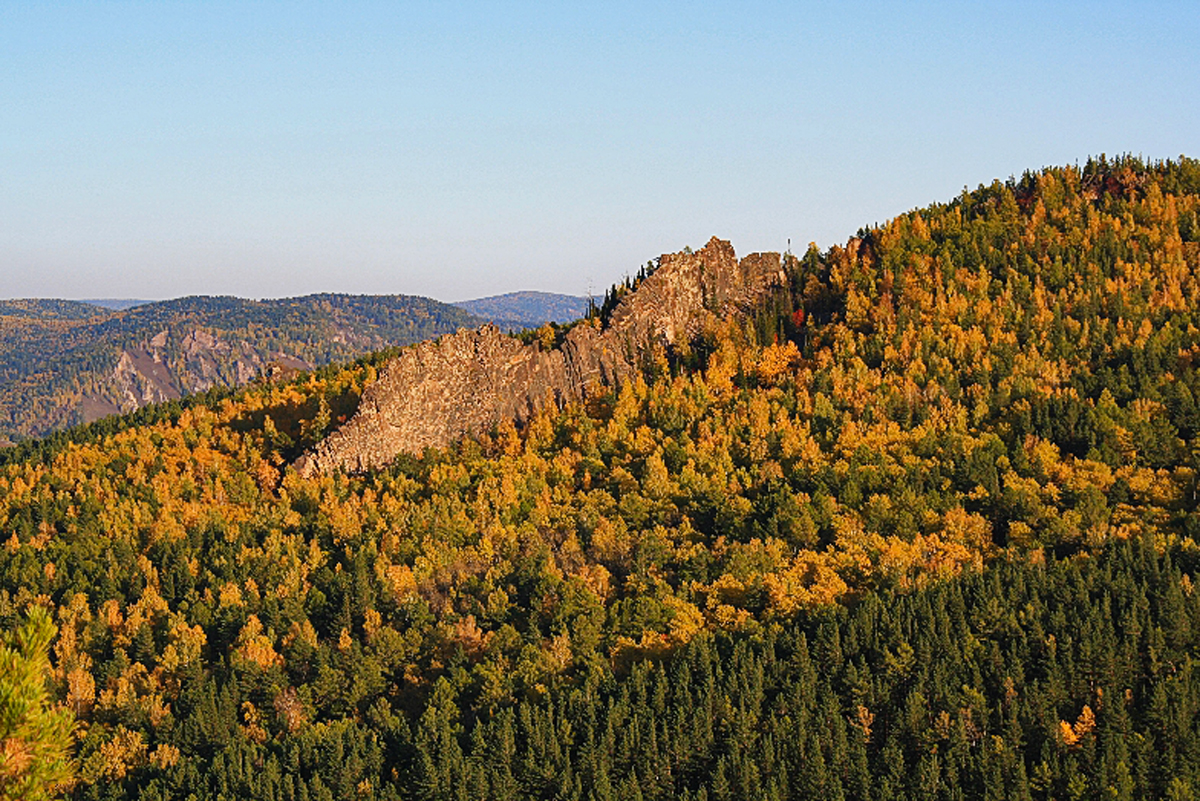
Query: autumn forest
pixel 921 525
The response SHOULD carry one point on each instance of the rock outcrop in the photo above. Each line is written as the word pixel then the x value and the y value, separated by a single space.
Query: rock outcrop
pixel 438 391
pixel 168 368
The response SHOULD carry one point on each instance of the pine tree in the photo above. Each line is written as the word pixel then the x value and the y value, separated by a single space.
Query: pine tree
pixel 35 740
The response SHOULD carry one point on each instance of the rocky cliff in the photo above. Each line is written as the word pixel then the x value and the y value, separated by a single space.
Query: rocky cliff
pixel 438 391
pixel 175 364
pixel 64 363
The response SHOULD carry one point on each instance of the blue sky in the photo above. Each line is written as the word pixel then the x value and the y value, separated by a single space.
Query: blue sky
pixel 457 150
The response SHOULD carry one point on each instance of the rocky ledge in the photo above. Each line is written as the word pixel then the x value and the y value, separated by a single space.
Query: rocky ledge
pixel 438 391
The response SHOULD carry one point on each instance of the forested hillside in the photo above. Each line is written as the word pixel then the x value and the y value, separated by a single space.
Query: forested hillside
pixel 47 309
pixel 921 526
pixel 64 363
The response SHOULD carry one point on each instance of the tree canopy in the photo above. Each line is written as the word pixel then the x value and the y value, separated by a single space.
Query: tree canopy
pixel 922 525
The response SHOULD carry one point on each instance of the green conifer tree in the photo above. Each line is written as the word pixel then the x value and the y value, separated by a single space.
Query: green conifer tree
pixel 35 739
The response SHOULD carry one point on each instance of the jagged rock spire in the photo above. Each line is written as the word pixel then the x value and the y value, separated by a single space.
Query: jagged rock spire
pixel 438 391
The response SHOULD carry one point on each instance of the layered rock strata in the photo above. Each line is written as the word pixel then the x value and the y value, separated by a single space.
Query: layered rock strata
pixel 438 391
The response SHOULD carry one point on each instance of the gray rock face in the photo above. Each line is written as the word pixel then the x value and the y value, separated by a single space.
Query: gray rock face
pixel 438 391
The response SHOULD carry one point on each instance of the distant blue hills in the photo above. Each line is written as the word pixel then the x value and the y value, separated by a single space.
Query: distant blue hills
pixel 527 309
pixel 514 309
pixel 117 304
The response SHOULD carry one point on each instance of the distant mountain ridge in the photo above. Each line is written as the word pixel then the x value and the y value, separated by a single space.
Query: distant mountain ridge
pixel 67 362
pixel 117 304
pixel 49 309
pixel 527 309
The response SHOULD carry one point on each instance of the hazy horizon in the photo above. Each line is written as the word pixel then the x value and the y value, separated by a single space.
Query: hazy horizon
pixel 143 301
pixel 279 150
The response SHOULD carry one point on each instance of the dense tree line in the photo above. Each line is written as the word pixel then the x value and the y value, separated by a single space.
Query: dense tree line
pixel 1063 680
pixel 1068 679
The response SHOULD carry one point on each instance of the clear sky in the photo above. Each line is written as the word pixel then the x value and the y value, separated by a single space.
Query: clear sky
pixel 457 150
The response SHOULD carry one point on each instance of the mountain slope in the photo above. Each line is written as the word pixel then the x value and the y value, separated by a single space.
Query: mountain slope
pixel 919 523
pixel 63 363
